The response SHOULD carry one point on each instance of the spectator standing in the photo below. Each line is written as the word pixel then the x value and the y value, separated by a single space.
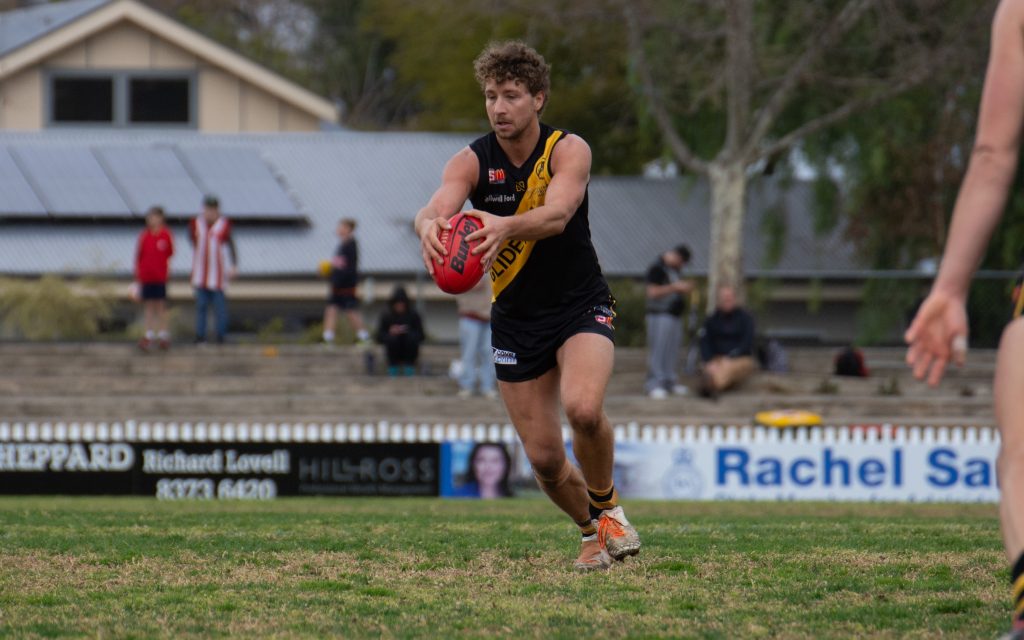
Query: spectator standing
pixel 475 341
pixel 726 345
pixel 210 234
pixel 344 280
pixel 152 256
pixel 400 331
pixel 666 304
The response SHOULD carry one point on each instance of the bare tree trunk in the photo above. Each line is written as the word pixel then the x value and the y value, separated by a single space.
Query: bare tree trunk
pixel 728 180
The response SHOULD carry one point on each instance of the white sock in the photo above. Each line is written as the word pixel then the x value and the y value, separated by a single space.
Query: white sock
pixel 363 334
pixel 590 538
pixel 328 336
pixel 149 334
pixel 163 335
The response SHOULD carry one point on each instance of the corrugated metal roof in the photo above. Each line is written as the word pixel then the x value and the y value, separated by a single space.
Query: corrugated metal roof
pixel 70 181
pixel 240 179
pixel 151 175
pixel 22 26
pixel 16 195
pixel 381 180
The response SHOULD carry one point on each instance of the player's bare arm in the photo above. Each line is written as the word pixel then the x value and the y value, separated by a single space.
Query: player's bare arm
pixel 570 162
pixel 457 182
pixel 938 333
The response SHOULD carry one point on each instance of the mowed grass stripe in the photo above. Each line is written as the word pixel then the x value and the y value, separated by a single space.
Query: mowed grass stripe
pixel 130 567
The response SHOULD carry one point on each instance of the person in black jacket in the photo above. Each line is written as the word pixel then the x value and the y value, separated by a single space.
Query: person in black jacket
pixel 726 345
pixel 400 331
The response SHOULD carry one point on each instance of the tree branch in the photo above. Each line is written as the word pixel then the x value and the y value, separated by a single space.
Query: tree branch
pixel 842 23
pixel 822 122
pixel 739 65
pixel 681 151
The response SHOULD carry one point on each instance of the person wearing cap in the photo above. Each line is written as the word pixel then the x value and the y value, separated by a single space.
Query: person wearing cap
pixel 210 235
pixel 666 302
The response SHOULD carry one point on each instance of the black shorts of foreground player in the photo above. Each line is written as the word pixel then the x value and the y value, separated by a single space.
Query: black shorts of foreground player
pixel 552 319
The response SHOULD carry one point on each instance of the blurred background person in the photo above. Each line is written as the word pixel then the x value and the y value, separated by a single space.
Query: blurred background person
pixel 400 330
pixel 477 361
pixel 344 278
pixel 666 302
pixel 726 345
pixel 152 259
pixel 210 234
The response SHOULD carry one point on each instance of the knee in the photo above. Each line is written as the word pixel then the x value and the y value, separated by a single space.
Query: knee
pixel 585 417
pixel 547 462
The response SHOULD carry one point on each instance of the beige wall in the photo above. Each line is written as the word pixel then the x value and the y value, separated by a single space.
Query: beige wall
pixel 226 103
pixel 21 101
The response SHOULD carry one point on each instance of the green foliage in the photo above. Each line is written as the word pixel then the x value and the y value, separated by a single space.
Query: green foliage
pixel 630 311
pixel 773 232
pixel 51 309
pixel 883 313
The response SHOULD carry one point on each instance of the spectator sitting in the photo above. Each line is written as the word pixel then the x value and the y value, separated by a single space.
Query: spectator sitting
pixel 726 345
pixel 400 331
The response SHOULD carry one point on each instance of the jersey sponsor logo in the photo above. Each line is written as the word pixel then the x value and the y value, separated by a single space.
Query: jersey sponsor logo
pixel 502 356
pixel 515 253
pixel 605 320
pixel 496 176
pixel 506 258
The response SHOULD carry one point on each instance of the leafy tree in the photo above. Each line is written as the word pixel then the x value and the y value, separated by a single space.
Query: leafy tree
pixel 766 76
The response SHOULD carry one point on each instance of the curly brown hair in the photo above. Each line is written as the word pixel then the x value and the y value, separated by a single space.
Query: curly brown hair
pixel 513 60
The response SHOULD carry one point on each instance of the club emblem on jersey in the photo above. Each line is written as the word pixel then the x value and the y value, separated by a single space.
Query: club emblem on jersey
pixel 605 320
pixel 496 176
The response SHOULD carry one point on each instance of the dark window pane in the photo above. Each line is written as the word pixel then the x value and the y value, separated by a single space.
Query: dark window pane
pixel 83 100
pixel 158 100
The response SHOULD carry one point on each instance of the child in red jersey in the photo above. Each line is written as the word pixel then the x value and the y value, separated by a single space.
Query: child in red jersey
pixel 155 248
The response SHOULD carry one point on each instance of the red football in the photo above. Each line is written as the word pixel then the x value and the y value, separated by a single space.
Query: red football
pixel 461 270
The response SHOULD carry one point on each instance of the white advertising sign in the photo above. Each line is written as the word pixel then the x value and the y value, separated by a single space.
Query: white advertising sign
pixel 793 470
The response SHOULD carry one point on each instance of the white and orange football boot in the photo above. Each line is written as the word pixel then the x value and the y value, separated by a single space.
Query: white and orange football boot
pixel 592 557
pixel 616 535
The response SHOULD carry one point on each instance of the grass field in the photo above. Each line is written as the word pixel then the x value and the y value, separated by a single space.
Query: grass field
pixel 120 567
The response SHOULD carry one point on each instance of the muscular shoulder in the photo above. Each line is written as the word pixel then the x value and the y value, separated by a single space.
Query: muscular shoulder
pixel 571 151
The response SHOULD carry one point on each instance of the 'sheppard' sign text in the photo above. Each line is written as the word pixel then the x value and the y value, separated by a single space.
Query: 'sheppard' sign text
pixel 59 456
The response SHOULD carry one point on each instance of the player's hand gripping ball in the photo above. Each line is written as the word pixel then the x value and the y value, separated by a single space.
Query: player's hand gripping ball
pixel 460 270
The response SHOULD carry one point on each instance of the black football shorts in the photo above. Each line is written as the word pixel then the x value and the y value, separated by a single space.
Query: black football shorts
pixel 521 355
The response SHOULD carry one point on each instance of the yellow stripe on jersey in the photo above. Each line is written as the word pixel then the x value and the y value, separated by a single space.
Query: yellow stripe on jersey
pixel 514 253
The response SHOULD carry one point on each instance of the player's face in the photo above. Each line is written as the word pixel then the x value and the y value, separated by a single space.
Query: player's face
pixel 511 108
pixel 489 466
pixel 344 231
pixel 211 213
pixel 154 221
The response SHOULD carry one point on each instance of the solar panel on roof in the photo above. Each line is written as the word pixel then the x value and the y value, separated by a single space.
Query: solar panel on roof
pixel 243 182
pixel 17 198
pixel 149 176
pixel 71 181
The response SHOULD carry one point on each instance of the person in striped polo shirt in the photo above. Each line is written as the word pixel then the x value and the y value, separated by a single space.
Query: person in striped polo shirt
pixel 210 234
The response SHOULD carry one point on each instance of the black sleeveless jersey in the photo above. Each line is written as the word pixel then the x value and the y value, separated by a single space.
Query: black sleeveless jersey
pixel 535 279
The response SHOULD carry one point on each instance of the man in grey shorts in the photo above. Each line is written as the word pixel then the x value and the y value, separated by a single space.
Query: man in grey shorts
pixel 666 302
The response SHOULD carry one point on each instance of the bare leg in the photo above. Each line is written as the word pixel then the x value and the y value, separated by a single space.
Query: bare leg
pixel 330 318
pixel 355 320
pixel 1009 405
pixel 586 361
pixel 161 316
pixel 150 316
pixel 533 407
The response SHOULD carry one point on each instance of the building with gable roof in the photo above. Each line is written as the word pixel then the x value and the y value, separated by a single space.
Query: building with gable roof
pixel 119 63
pixel 108 107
